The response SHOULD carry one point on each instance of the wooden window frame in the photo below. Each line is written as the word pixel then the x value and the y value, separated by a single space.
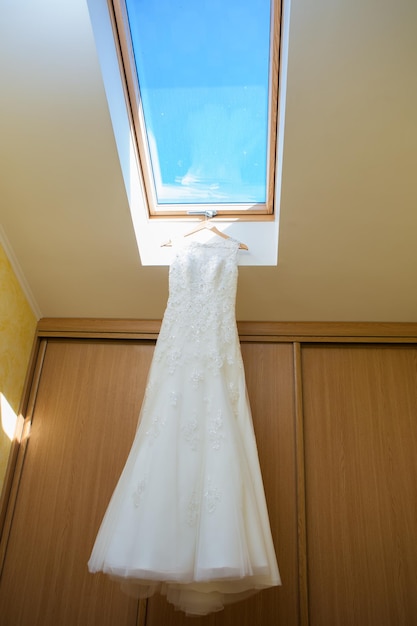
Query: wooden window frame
pixel 244 211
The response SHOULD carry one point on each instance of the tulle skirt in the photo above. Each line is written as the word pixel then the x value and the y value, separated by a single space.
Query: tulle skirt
pixel 188 517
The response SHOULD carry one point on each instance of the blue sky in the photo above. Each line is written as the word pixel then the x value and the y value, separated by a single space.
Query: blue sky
pixel 203 74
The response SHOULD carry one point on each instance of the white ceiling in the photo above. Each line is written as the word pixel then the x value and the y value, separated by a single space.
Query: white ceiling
pixel 349 190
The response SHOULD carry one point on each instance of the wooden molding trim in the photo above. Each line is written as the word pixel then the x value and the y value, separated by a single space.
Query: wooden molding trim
pixel 354 332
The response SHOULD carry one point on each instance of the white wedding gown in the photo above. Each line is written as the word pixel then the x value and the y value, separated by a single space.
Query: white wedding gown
pixel 188 517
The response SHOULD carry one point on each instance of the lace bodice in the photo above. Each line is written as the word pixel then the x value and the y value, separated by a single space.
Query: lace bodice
pixel 202 294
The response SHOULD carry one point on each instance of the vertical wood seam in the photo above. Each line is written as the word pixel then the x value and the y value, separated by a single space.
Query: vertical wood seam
pixel 301 489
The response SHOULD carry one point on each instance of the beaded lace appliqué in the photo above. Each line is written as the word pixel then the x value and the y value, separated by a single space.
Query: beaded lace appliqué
pixel 193 510
pixel 212 497
pixel 190 430
pixel 173 398
pixel 197 377
pixel 156 425
pixel 137 495
pixel 215 428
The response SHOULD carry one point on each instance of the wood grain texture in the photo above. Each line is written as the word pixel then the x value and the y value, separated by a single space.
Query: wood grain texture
pixel 83 423
pixel 360 409
pixel 269 375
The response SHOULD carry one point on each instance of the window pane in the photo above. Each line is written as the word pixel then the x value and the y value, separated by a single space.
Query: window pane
pixel 203 71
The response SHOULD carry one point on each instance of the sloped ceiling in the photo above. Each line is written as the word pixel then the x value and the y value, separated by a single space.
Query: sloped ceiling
pixel 348 225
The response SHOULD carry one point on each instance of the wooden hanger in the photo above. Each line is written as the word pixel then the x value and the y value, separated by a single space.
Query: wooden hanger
pixel 206 224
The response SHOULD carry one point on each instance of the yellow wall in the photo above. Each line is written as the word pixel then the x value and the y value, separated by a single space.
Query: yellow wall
pixel 17 331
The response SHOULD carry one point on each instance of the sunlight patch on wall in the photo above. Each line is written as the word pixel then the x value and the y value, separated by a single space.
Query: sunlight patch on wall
pixel 8 418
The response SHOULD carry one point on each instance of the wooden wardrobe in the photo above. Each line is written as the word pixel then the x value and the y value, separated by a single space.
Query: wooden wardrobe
pixel 335 416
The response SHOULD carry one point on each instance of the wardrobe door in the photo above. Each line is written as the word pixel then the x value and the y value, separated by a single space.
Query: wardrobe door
pixel 270 382
pixel 84 420
pixel 360 421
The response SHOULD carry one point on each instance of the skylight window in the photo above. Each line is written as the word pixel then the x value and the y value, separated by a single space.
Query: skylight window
pixel 202 79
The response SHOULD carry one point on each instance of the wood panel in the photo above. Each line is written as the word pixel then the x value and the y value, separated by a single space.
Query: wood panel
pixel 356 420
pixel 83 423
pixel 360 410
pixel 269 375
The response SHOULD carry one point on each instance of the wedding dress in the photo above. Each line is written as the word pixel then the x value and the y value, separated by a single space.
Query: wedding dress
pixel 188 517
